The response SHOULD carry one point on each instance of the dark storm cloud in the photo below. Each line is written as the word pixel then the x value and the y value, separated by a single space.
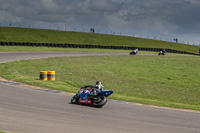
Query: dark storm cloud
pixel 166 17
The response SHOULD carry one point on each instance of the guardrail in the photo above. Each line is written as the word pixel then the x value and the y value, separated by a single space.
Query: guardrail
pixel 92 46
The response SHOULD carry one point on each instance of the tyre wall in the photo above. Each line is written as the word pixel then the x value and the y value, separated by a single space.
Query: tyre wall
pixel 91 46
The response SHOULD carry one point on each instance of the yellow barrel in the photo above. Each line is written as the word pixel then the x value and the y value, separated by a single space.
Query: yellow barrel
pixel 43 75
pixel 51 75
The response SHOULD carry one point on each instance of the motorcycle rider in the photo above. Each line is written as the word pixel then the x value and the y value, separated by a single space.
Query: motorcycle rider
pixel 96 88
pixel 99 85
pixel 164 51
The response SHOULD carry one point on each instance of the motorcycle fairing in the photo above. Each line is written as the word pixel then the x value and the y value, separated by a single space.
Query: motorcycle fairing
pixel 107 93
pixel 84 96
pixel 86 102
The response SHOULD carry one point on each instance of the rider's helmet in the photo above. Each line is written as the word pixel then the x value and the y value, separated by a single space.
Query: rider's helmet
pixel 98 83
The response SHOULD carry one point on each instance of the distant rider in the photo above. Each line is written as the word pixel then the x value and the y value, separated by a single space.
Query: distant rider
pixel 163 52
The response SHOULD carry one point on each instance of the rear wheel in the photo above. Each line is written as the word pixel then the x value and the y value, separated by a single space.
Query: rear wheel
pixel 101 101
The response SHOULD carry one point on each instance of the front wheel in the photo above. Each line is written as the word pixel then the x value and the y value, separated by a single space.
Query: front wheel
pixel 74 99
pixel 100 103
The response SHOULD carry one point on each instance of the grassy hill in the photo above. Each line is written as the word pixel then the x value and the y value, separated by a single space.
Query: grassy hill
pixel 10 34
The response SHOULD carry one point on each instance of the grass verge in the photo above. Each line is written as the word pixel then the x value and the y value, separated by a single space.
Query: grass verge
pixel 3 132
pixel 171 81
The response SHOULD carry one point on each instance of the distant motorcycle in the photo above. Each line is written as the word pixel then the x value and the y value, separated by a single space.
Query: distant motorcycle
pixel 163 52
pixel 134 52
pixel 90 95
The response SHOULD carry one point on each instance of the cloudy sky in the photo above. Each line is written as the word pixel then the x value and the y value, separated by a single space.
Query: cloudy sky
pixel 160 19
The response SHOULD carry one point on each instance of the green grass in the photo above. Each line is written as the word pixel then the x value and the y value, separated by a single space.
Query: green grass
pixel 9 34
pixel 3 132
pixel 171 81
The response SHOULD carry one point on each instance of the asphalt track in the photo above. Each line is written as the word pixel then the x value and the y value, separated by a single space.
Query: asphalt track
pixel 27 110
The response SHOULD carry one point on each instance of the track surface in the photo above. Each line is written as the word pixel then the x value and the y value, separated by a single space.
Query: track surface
pixel 26 110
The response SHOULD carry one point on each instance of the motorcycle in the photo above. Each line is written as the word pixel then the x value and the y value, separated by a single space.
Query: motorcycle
pixel 134 52
pixel 91 95
pixel 162 53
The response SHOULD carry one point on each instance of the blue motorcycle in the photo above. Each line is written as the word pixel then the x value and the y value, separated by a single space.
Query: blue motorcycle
pixel 134 52
pixel 91 95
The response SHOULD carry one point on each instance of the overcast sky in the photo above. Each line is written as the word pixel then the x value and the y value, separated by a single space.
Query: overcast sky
pixel 163 19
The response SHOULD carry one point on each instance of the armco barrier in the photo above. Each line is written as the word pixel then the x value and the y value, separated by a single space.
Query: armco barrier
pixel 92 46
